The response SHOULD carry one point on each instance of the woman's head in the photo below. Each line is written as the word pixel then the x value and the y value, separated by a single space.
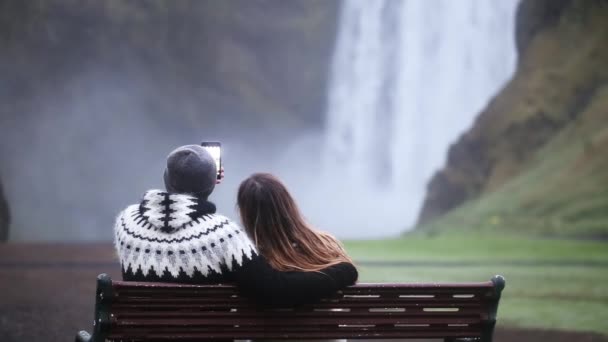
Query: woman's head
pixel 273 220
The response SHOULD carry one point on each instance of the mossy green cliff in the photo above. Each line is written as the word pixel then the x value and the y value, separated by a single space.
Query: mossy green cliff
pixel 536 158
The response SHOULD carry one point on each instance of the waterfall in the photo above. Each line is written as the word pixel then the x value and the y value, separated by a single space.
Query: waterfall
pixel 409 76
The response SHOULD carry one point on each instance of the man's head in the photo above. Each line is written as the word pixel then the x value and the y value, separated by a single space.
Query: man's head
pixel 192 170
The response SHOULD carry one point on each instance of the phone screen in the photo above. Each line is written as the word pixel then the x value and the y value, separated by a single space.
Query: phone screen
pixel 215 149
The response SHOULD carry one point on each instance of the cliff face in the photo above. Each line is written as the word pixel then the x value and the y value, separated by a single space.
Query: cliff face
pixel 4 216
pixel 94 94
pixel 251 60
pixel 554 102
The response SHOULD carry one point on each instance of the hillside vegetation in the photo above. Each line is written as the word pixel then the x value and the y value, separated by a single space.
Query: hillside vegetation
pixel 536 158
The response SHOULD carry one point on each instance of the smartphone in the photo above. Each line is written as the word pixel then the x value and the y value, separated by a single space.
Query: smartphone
pixel 215 149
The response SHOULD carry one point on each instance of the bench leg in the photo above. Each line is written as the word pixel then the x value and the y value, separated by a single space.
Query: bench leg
pixel 487 333
pixel 101 323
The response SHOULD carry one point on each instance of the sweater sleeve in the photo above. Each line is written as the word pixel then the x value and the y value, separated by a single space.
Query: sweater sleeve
pixel 257 279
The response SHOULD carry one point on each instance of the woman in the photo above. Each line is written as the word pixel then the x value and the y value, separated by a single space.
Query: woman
pixel 272 220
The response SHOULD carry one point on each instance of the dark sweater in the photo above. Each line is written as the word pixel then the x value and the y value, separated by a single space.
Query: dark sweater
pixel 180 238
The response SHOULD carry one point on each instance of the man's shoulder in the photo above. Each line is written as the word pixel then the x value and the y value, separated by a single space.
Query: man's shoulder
pixel 223 218
pixel 233 239
pixel 129 212
pixel 226 222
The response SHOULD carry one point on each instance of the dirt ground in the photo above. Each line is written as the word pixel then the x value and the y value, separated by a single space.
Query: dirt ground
pixel 46 294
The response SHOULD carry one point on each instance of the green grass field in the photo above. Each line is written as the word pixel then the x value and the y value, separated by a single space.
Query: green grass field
pixel 552 284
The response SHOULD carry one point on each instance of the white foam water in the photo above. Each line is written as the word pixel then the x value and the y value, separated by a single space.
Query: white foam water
pixel 408 77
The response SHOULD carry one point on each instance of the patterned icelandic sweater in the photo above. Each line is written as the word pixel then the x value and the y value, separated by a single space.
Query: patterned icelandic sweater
pixel 180 238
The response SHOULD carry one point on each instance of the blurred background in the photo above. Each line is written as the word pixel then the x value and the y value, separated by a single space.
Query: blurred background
pixel 441 140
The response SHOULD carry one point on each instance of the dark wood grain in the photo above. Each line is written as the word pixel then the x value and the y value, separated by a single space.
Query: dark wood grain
pixel 165 311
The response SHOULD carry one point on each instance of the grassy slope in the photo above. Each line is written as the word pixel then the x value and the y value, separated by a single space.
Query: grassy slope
pixel 572 297
pixel 562 188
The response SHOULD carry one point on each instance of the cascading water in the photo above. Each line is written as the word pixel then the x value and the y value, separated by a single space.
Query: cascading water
pixel 409 76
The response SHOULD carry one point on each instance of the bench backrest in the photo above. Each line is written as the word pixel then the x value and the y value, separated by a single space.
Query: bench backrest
pixel 160 311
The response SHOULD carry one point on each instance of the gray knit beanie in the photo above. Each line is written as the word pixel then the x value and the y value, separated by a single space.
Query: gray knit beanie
pixel 192 170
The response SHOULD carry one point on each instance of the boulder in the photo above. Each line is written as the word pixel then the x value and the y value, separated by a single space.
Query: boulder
pixel 4 216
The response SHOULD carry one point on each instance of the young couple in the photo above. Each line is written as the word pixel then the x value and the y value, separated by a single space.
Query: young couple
pixel 275 258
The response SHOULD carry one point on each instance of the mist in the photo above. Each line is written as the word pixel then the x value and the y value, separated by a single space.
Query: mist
pixel 407 79
pixel 86 132
pixel 91 149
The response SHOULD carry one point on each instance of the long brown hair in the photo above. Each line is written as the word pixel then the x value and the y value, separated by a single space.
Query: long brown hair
pixel 272 219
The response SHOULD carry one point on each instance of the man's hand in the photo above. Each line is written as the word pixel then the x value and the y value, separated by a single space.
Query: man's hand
pixel 219 180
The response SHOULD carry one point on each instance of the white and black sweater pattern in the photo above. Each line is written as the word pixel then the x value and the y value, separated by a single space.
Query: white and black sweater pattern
pixel 177 237
pixel 180 238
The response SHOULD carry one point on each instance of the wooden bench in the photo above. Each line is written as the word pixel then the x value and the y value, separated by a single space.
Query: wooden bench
pixel 130 311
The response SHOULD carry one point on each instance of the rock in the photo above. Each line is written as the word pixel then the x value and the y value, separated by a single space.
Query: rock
pixel 231 58
pixel 563 54
pixel 4 217
pixel 536 15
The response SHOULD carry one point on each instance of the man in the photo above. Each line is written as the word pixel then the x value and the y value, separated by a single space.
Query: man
pixel 176 236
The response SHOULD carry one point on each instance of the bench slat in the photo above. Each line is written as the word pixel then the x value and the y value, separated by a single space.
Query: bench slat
pixel 244 305
pixel 195 299
pixel 358 286
pixel 359 289
pixel 223 314
pixel 293 321
pixel 366 313
pixel 350 334
pixel 354 292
